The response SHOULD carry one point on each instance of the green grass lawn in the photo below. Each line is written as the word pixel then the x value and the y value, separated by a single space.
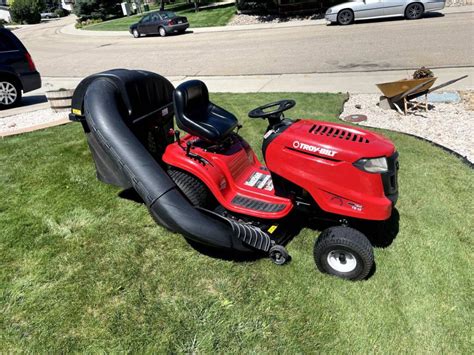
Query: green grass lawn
pixel 219 16
pixel 85 270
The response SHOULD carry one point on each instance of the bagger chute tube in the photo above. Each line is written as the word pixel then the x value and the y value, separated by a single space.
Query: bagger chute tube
pixel 205 182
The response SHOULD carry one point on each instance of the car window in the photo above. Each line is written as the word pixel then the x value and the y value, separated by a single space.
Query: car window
pixel 167 15
pixel 6 43
pixel 146 19
pixel 156 17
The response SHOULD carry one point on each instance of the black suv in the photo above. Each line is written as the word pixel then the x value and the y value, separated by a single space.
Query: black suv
pixel 17 70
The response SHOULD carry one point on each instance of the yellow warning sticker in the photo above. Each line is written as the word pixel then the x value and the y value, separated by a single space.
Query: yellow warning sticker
pixel 76 111
pixel 272 229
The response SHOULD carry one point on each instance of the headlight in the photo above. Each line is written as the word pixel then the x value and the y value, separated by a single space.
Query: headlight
pixel 329 11
pixel 375 165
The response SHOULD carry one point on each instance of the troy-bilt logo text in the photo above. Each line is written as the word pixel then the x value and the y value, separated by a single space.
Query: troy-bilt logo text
pixel 314 149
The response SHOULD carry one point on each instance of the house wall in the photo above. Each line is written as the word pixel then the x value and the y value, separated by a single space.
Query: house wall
pixel 67 4
pixel 5 13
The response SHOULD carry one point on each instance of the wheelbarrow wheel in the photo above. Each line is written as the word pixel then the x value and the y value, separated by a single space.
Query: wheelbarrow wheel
pixel 344 252
pixel 414 11
pixel 345 17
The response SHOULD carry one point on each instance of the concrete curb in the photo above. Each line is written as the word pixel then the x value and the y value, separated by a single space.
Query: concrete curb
pixel 73 31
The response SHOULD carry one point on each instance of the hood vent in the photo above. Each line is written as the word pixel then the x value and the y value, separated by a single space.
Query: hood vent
pixel 335 132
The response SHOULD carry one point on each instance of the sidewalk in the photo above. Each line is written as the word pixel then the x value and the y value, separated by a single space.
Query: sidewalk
pixel 71 30
pixel 352 82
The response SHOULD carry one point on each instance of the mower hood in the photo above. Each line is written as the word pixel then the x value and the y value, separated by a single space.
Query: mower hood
pixel 336 142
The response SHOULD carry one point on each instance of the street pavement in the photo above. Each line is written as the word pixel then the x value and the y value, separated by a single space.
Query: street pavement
pixel 306 56
pixel 435 41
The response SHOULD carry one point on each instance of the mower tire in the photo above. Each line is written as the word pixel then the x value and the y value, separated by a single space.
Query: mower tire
pixel 344 252
pixel 279 255
pixel 194 189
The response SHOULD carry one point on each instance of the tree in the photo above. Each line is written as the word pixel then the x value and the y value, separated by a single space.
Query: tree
pixel 27 11
pixel 96 9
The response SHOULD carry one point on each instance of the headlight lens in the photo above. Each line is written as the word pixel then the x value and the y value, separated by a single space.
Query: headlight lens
pixel 328 12
pixel 375 165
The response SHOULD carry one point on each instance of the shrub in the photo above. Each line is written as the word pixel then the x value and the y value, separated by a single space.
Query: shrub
pixel 61 12
pixel 26 11
pixel 83 23
pixel 284 6
pixel 96 9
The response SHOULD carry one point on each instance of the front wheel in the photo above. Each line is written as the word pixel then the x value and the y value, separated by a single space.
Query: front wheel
pixel 135 33
pixel 344 252
pixel 162 32
pixel 414 11
pixel 279 255
pixel 345 17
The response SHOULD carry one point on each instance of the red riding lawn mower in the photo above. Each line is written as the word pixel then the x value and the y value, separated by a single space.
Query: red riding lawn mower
pixel 210 186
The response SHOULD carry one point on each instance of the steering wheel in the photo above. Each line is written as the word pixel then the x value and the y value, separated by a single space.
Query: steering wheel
pixel 280 106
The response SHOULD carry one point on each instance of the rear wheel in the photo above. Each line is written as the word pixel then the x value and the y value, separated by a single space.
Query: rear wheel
pixel 193 188
pixel 162 32
pixel 344 252
pixel 10 93
pixel 345 17
pixel 414 11
pixel 136 33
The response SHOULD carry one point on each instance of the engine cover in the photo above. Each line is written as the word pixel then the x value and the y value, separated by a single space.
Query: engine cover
pixel 319 156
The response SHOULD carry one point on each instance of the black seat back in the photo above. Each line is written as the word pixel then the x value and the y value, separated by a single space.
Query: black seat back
pixel 198 116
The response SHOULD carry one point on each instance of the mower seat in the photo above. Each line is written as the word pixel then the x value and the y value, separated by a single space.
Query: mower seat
pixel 198 116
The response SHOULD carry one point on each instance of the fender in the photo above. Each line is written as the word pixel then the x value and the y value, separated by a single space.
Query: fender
pixel 8 71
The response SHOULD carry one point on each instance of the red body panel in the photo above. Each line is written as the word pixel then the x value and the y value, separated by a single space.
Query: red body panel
pixel 227 174
pixel 318 157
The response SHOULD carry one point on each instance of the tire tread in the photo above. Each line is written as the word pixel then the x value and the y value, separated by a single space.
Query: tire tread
pixel 196 192
pixel 350 238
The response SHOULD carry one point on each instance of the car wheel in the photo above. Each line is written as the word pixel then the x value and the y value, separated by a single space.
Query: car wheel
pixel 10 93
pixel 162 32
pixel 345 17
pixel 135 33
pixel 414 11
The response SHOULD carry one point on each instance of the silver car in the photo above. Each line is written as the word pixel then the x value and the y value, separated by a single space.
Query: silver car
pixel 348 12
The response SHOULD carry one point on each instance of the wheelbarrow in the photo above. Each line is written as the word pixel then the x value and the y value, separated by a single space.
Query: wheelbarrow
pixel 403 92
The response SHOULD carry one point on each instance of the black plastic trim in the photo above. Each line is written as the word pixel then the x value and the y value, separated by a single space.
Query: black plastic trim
pixel 257 205
pixel 123 160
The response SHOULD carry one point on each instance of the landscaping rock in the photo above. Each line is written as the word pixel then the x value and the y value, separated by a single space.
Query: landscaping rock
pixel 447 124
pixel 29 119
pixel 243 19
